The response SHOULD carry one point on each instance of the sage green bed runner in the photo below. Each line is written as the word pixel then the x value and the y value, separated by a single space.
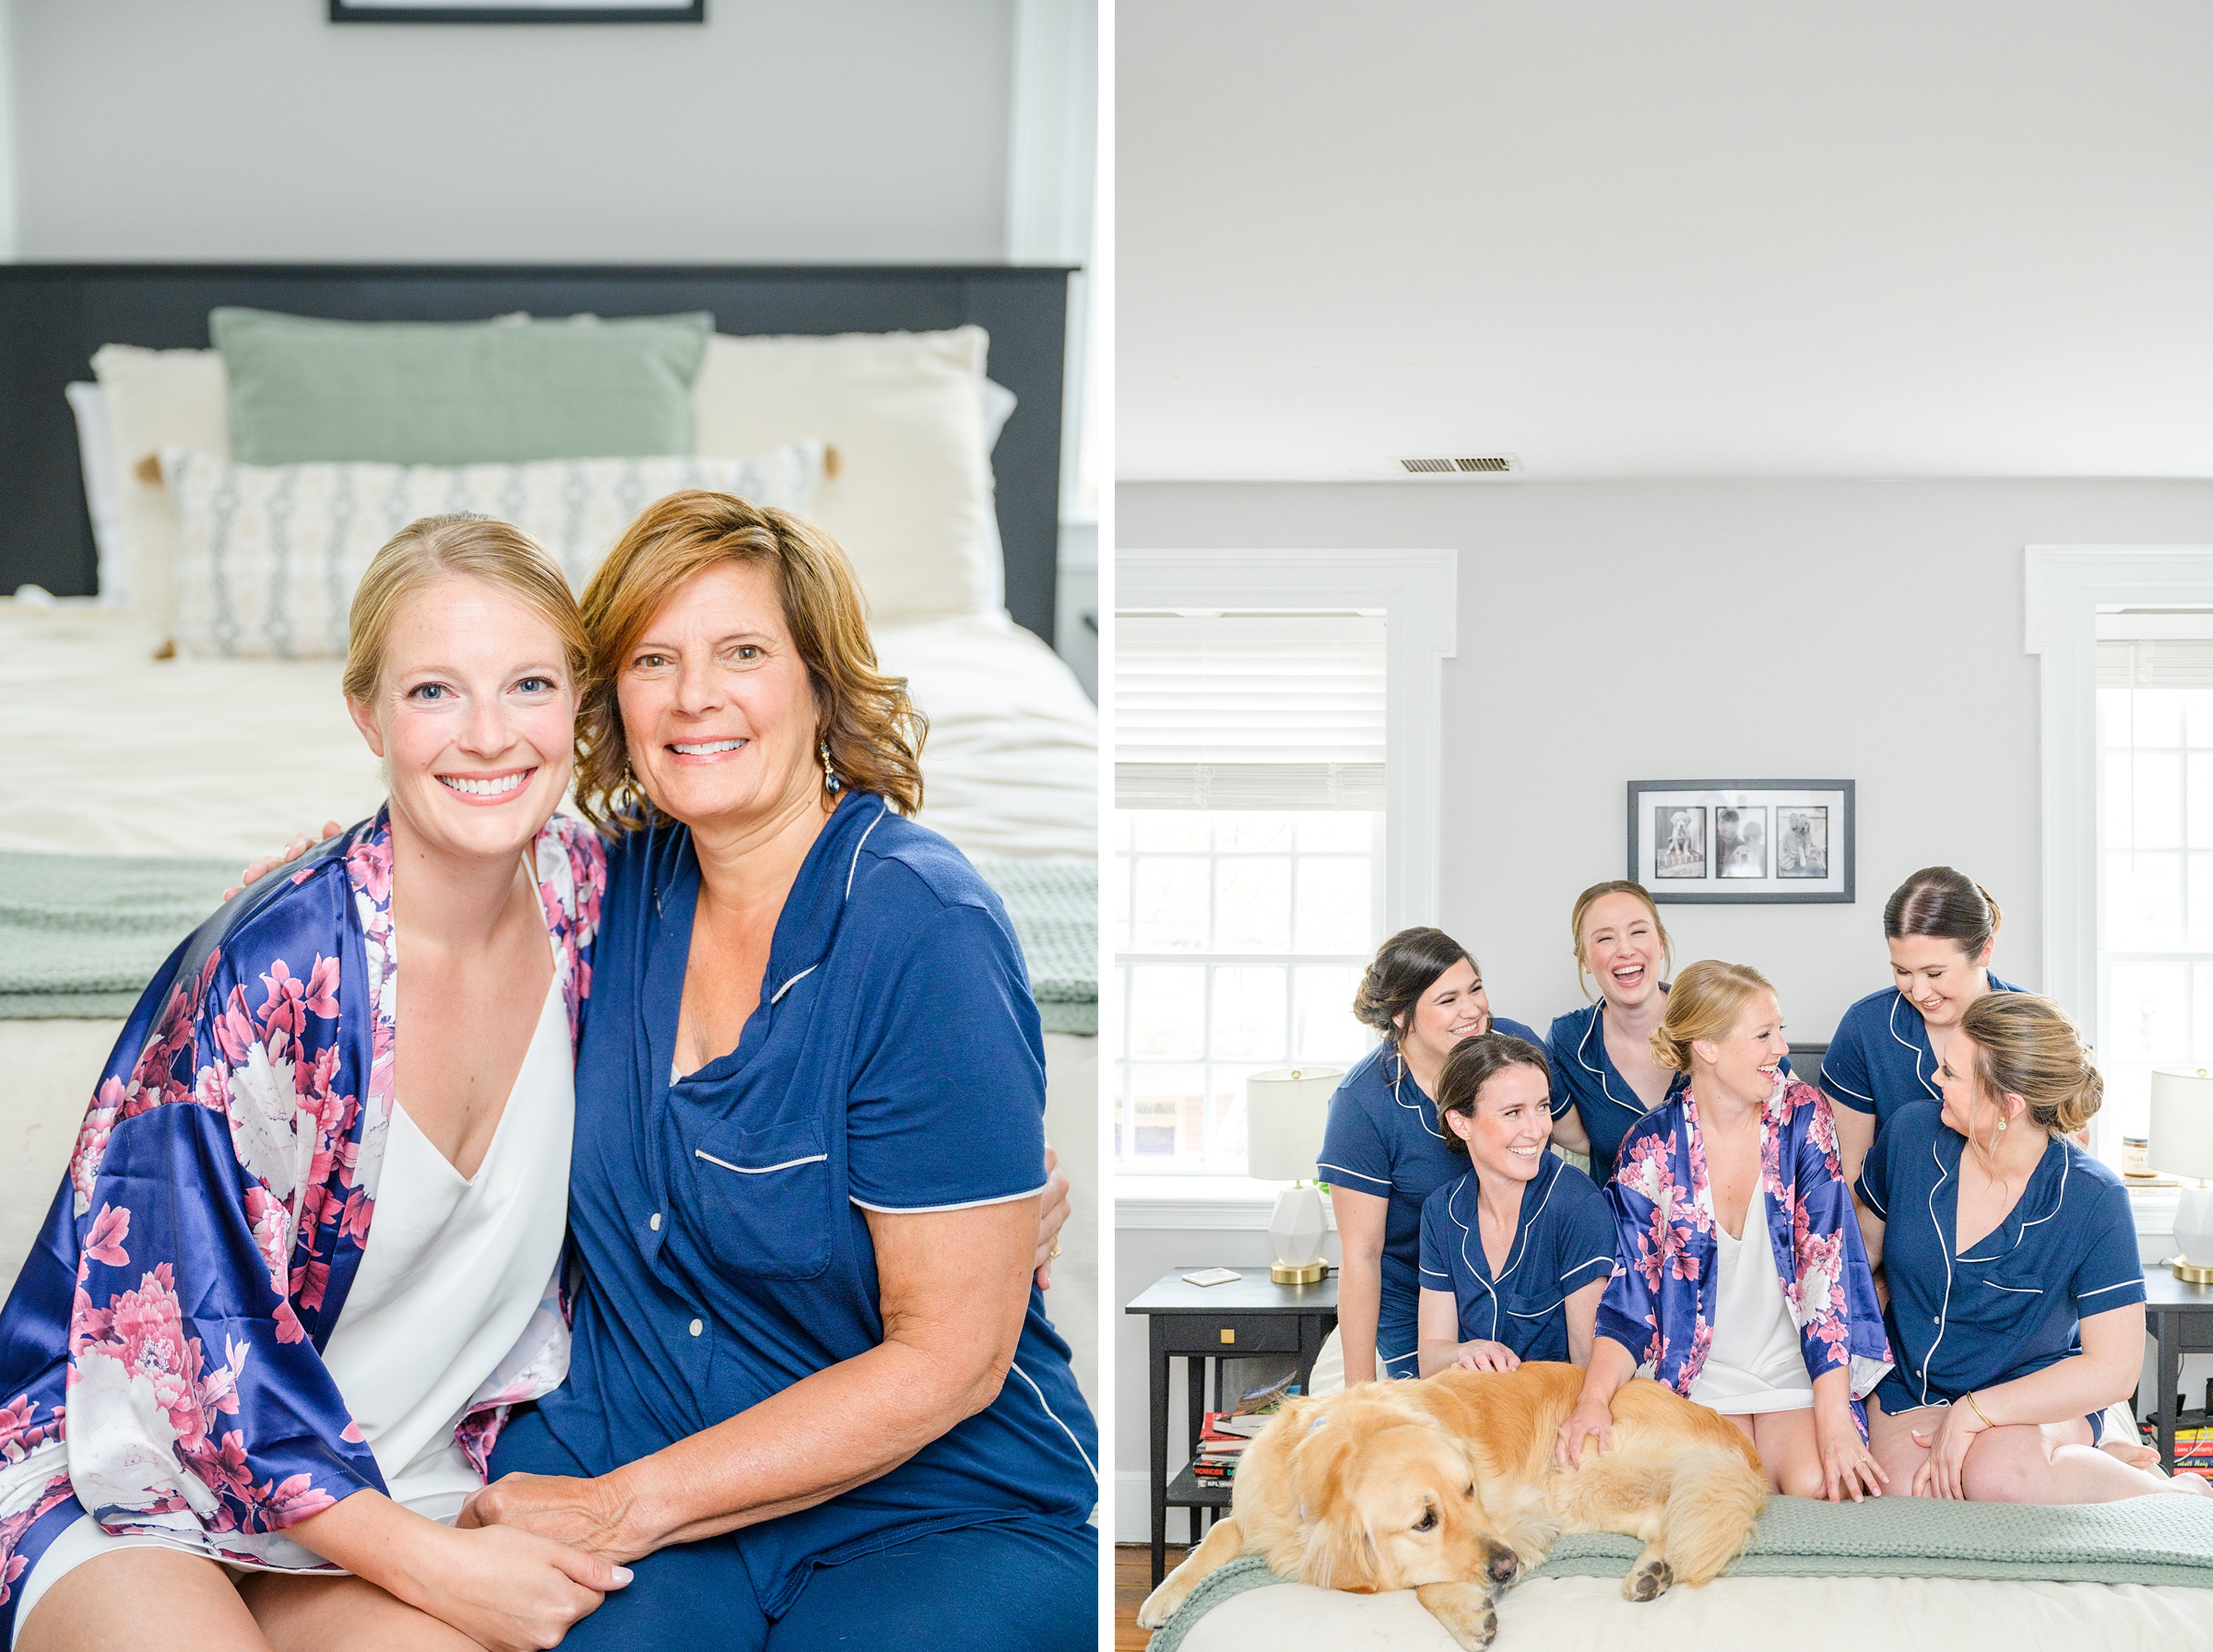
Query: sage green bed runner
pixel 80 934
pixel 2166 1538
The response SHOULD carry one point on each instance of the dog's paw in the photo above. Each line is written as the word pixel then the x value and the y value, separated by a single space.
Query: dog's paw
pixel 1465 1611
pixel 1161 1604
pixel 1649 1581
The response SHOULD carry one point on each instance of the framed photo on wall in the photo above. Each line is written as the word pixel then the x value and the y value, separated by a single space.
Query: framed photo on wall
pixel 1742 841
pixel 518 11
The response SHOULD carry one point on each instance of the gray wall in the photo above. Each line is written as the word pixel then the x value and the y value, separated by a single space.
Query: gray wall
pixel 1610 631
pixel 796 130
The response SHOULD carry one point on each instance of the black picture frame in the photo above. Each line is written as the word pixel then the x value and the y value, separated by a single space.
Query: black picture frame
pixel 1822 830
pixel 655 11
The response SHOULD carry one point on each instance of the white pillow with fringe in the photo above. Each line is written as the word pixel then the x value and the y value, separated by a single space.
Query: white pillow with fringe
pixel 267 556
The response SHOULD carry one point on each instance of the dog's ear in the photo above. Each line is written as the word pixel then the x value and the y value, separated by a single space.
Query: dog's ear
pixel 1339 1554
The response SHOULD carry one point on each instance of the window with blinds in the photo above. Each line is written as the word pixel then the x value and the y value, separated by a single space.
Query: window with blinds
pixel 1249 710
pixel 2155 833
pixel 1248 825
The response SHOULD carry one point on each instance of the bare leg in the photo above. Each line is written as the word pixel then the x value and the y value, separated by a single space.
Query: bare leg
pixel 333 1615
pixel 107 1603
pixel 2056 1463
pixel 2020 1463
pixel 1790 1451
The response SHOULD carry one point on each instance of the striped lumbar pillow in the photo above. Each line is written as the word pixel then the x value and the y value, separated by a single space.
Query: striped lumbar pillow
pixel 267 556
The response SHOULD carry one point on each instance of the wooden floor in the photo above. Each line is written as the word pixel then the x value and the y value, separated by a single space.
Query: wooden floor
pixel 1132 1583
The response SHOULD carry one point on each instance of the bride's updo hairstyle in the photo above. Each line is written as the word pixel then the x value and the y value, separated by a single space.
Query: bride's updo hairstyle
pixel 2028 1047
pixel 1707 1001
pixel 1404 968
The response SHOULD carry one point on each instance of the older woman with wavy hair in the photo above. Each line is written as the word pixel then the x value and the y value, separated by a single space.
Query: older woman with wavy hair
pixel 813 1396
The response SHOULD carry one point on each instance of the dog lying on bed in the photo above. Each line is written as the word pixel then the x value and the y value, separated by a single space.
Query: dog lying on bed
pixel 1448 1486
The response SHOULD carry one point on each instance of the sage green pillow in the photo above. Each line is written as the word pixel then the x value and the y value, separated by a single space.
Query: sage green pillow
pixel 458 393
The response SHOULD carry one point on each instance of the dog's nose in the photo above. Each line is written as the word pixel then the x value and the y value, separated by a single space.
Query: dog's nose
pixel 1504 1564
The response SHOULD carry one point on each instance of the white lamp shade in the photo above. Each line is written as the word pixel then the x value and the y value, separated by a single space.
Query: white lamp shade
pixel 2181 1121
pixel 1284 1112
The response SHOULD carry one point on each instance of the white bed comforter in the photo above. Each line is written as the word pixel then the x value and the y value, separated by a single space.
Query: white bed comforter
pixel 106 750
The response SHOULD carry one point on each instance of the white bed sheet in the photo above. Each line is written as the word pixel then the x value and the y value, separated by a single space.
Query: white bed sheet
pixel 106 750
pixel 1735 1615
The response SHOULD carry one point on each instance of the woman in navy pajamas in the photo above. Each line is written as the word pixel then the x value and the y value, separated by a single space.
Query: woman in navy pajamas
pixel 813 1397
pixel 1941 925
pixel 2017 1297
pixel 1517 1252
pixel 1605 1076
pixel 1383 1150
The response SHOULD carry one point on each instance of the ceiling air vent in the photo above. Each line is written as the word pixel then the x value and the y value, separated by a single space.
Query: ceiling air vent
pixel 1476 465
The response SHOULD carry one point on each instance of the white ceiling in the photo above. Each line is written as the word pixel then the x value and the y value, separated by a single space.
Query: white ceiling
pixel 1627 238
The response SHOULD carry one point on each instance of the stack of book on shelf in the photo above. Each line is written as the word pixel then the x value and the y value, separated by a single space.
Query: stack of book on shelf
pixel 1223 1441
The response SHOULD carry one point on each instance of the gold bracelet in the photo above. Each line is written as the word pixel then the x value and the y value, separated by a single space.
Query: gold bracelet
pixel 1979 1410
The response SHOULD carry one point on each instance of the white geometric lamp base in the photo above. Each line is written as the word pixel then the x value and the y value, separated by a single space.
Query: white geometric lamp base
pixel 2194 1234
pixel 1296 1230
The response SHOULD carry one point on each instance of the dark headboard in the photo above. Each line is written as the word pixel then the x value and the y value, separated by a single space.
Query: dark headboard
pixel 53 316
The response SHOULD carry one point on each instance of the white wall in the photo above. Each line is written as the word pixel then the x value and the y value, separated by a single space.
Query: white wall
pixel 798 130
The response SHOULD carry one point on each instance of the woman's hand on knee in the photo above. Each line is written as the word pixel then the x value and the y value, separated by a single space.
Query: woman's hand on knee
pixel 1946 1442
pixel 588 1516
pixel 510 1590
pixel 1848 1467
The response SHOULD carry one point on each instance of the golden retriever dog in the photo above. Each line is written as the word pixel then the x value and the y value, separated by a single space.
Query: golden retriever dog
pixel 1448 1487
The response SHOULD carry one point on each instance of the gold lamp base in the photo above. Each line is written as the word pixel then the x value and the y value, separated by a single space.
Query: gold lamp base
pixel 1312 1273
pixel 2197 1273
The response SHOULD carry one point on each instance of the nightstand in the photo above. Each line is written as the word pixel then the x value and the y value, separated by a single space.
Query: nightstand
pixel 1197 1324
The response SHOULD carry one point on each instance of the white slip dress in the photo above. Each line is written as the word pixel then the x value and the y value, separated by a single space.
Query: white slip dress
pixel 453 1270
pixel 1756 1363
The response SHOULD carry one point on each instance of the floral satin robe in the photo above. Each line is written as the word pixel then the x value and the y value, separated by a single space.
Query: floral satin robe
pixel 160 1353
pixel 1660 1305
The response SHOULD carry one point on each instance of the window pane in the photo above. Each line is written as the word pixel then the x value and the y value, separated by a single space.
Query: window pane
pixel 1168 829
pixel 2112 716
pixel 1344 831
pixel 1167 1113
pixel 2157 796
pixel 1170 898
pixel 1322 1028
pixel 1252 904
pixel 1249 1005
pixel 2158 718
pixel 2199 717
pixel 1122 818
pixel 2126 1110
pixel 2143 902
pixel 1168 1011
pixel 1250 832
pixel 2201 903
pixel 1333 904
pixel 2200 799
pixel 2148 1012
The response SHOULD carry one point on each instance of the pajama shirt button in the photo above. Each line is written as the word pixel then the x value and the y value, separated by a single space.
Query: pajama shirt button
pixel 653 1221
pixel 697 1326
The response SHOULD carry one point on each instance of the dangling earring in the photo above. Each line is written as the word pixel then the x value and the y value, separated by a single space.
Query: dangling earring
pixel 831 782
pixel 633 798
pixel 2001 1123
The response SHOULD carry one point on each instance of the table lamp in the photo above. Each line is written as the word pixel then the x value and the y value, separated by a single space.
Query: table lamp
pixel 1284 1112
pixel 2182 1145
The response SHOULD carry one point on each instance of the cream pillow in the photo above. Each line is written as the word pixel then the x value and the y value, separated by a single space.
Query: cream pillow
pixel 268 555
pixel 911 499
pixel 158 400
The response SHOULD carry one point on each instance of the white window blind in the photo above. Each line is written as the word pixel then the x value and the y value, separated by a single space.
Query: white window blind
pixel 1249 712
pixel 2156 663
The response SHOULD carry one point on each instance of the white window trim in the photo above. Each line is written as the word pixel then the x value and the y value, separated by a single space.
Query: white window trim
pixel 1417 592
pixel 2063 588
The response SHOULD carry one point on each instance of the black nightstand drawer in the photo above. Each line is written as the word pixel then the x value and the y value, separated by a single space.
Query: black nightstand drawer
pixel 1227 1335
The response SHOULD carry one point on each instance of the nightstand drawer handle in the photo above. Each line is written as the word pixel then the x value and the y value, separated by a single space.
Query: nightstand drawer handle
pixel 1229 1336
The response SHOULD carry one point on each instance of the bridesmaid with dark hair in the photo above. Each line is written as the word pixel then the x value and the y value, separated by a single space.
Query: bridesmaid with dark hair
pixel 1942 927
pixel 1385 1150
